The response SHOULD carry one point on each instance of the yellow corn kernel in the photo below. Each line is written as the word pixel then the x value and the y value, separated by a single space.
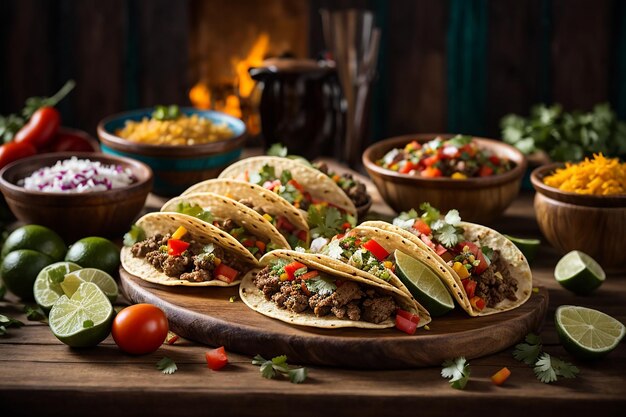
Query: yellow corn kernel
pixel 388 264
pixel 217 261
pixel 472 258
pixel 458 176
pixel 460 270
pixel 284 276
pixel 180 232
pixel 267 217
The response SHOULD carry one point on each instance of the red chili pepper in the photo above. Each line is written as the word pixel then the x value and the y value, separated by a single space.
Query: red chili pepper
pixel 422 227
pixel 175 247
pixel 290 269
pixel 305 289
pixel 40 128
pixel 225 273
pixel 377 250
pixel 295 185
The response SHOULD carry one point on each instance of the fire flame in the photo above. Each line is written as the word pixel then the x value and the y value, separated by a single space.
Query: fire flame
pixel 201 97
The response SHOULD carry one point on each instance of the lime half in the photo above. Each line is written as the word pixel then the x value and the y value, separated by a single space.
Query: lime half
pixel 47 288
pixel 424 284
pixel 83 320
pixel 103 280
pixel 579 273
pixel 587 333
pixel 528 247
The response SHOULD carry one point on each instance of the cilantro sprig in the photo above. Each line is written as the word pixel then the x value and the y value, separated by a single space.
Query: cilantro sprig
pixel 134 235
pixel 279 366
pixel 167 366
pixel 7 322
pixel 326 221
pixel 195 210
pixel 547 368
pixel 458 371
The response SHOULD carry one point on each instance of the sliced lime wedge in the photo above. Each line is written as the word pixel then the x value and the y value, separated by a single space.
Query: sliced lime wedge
pixel 84 319
pixel 579 273
pixel 587 333
pixel 424 284
pixel 528 247
pixel 103 280
pixel 47 288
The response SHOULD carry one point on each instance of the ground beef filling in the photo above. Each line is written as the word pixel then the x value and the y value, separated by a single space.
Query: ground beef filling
pixel 354 189
pixel 496 283
pixel 193 265
pixel 348 301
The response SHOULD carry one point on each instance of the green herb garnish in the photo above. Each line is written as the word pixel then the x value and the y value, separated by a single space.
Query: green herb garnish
pixel 278 366
pixel 6 322
pixel 167 366
pixel 277 149
pixel 34 314
pixel 547 368
pixel 134 235
pixel 321 285
pixel 458 371
pixel 327 221
pixel 166 112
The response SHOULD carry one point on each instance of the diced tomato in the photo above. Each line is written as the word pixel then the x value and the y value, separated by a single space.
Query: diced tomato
pixel 302 235
pixel 470 287
pixel 261 245
pixel 405 325
pixel 477 302
pixel 339 236
pixel 309 275
pixel 431 160
pixel 346 226
pixel 295 185
pixel 171 338
pixel 485 171
pixel 440 250
pixel 175 247
pixel 248 243
pixel 447 256
pixel 431 172
pixel 427 241
pixel 422 227
pixel 502 375
pixel 496 161
pixel 409 316
pixel 408 167
pixel 284 224
pixel 478 254
pixel 225 273
pixel 216 359
pixel 291 268
pixel 378 251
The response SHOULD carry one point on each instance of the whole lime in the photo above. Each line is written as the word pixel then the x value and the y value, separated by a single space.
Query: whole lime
pixel 95 252
pixel 20 268
pixel 38 238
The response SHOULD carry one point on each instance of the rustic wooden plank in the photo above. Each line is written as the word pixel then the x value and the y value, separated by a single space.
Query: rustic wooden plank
pixel 417 66
pixel 581 52
pixel 98 61
pixel 163 59
pixel 514 59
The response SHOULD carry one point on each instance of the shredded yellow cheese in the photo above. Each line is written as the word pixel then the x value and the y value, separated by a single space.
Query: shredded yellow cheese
pixel 597 176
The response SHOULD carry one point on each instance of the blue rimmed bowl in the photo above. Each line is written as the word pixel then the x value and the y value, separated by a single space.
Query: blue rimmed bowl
pixel 175 167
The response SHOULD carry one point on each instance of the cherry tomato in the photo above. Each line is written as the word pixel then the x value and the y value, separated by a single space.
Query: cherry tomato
pixel 13 151
pixel 140 329
pixel 68 142
pixel 41 127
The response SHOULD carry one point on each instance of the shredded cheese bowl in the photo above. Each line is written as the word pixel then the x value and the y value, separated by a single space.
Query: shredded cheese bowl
pixel 569 220
pixel 177 163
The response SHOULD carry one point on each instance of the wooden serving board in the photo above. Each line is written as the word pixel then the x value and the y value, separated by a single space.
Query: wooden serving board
pixel 206 315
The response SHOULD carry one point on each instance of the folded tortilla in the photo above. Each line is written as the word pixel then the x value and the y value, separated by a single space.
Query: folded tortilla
pixel 205 233
pixel 481 236
pixel 254 298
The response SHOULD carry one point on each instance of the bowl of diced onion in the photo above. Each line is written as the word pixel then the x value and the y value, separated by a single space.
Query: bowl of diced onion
pixel 77 193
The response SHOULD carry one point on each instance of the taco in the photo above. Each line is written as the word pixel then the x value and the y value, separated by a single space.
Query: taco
pixel 491 272
pixel 304 187
pixel 249 228
pixel 182 250
pixel 294 288
pixel 287 219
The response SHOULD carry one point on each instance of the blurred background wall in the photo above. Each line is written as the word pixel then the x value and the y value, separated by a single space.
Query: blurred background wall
pixel 444 65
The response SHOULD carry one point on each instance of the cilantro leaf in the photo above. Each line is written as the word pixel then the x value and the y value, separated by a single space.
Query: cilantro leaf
pixel 324 221
pixel 267 173
pixel 134 235
pixel 277 149
pixel 528 352
pixel 430 214
pixel 6 322
pixel 459 141
pixel 453 218
pixel 285 176
pixel 34 314
pixel 278 366
pixel 321 285
pixel 447 235
pixel 167 366
pixel 195 210
pixel 458 371
pixel 543 369
pixel 564 369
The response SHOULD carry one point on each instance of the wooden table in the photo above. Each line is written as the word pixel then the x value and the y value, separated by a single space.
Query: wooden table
pixel 41 376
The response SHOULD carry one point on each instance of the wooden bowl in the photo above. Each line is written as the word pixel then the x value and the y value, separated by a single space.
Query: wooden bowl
pixel 592 224
pixel 478 200
pixel 74 215
pixel 175 167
